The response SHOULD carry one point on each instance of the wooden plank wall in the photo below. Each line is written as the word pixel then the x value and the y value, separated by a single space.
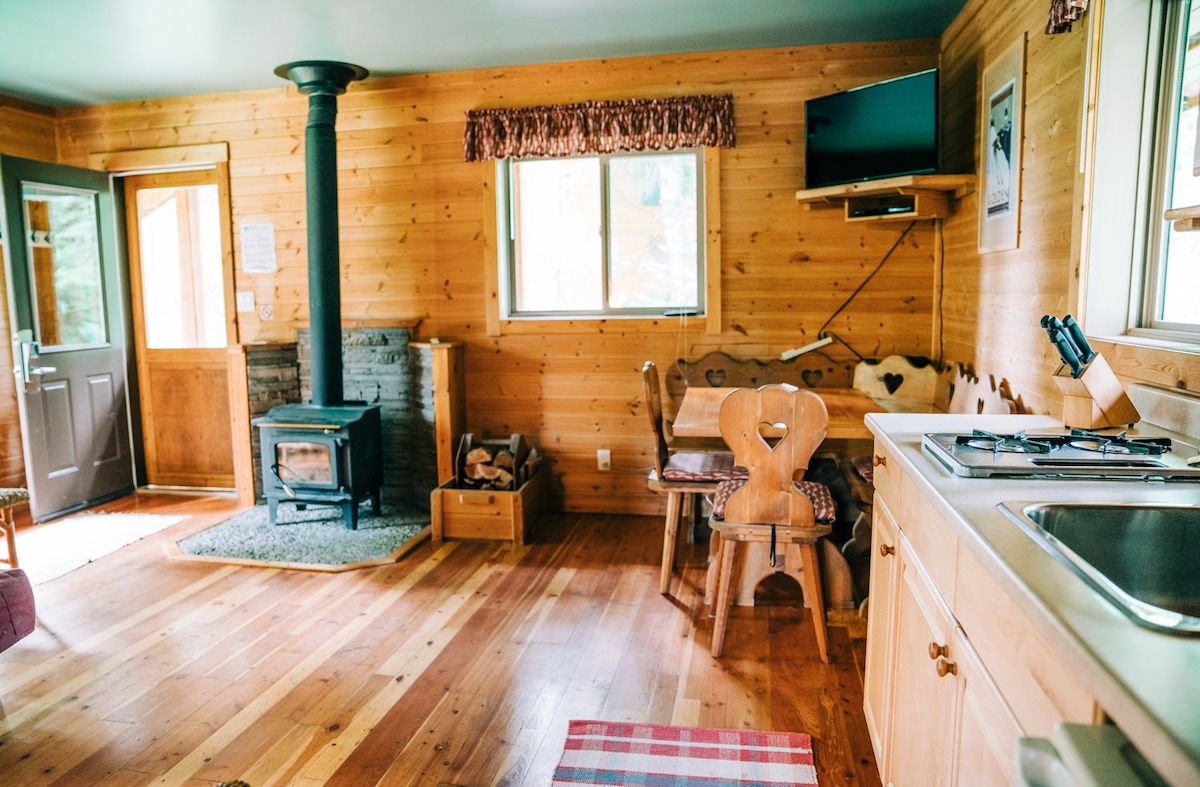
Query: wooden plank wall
pixel 26 130
pixel 413 232
pixel 992 303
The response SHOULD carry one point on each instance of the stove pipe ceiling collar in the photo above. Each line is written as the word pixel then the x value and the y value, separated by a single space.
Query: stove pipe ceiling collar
pixel 323 81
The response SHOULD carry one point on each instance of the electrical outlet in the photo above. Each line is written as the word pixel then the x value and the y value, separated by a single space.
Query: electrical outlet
pixel 603 459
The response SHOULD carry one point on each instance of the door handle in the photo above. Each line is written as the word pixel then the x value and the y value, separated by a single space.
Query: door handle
pixel 29 369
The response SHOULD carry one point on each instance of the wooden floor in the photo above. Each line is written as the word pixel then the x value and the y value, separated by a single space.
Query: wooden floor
pixel 459 665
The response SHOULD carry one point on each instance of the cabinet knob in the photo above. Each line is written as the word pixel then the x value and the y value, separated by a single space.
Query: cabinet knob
pixel 936 650
pixel 885 550
pixel 877 460
pixel 946 667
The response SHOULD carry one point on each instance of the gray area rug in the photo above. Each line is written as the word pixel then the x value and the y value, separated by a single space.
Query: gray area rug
pixel 314 537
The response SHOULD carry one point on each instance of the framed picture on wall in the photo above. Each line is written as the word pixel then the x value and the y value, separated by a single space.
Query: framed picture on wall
pixel 1000 149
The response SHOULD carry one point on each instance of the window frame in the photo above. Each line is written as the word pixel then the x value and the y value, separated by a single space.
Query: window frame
pixel 1163 93
pixel 507 242
pixel 1123 215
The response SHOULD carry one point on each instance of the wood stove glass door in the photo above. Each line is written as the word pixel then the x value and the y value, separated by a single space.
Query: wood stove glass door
pixel 183 319
pixel 69 350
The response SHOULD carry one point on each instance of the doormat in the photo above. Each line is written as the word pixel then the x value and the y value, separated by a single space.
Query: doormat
pixel 63 545
pixel 315 539
pixel 621 753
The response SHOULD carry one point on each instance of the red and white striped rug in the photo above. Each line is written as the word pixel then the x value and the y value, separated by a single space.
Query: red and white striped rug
pixel 612 753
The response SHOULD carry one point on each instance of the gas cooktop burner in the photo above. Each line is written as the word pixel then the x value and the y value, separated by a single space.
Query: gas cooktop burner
pixel 1117 444
pixel 1077 454
pixel 1003 443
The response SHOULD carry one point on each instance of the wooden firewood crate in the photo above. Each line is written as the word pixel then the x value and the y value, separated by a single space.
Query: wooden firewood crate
pixel 459 511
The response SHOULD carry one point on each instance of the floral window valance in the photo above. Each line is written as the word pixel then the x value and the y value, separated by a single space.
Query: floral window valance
pixel 599 127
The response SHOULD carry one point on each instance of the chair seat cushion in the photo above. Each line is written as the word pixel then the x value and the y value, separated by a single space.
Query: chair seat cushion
pixel 824 506
pixel 865 467
pixel 703 466
pixel 17 615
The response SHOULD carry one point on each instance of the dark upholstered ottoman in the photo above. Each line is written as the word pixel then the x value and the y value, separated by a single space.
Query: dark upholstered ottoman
pixel 16 607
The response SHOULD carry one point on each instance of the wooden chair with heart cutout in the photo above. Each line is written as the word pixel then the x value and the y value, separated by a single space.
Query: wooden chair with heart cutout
pixel 773 431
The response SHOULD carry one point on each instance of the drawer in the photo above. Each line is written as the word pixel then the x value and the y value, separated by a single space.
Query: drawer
pixel 886 476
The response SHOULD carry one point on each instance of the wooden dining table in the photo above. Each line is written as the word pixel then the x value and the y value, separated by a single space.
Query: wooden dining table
pixel 699 413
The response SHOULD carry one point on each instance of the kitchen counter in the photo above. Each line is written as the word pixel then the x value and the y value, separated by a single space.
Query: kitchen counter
pixel 1147 682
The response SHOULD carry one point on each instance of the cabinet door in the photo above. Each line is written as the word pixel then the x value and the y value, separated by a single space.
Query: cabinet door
pixel 924 691
pixel 881 614
pixel 987 730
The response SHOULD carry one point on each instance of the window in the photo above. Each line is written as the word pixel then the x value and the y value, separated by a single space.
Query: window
pixel 182 271
pixel 603 236
pixel 1140 165
pixel 1171 289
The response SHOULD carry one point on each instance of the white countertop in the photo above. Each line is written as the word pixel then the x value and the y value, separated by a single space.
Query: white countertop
pixel 1147 682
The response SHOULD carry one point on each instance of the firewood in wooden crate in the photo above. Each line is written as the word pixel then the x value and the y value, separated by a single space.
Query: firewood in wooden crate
pixel 494 464
pixel 490 476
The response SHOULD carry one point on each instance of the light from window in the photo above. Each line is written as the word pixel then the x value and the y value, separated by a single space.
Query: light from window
pixel 183 296
pixel 1174 282
pixel 604 235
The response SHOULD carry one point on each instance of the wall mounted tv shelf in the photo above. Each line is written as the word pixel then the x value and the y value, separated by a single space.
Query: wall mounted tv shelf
pixel 901 198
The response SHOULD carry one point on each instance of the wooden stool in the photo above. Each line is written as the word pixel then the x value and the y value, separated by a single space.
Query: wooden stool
pixel 10 498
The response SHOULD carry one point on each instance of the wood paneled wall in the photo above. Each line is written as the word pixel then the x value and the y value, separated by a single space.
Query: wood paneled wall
pixel 26 130
pixel 992 303
pixel 413 229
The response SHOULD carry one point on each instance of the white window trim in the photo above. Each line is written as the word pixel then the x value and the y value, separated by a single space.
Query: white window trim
pixel 499 325
pixel 1118 164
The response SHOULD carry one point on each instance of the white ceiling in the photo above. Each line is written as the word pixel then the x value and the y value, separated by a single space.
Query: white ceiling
pixel 72 52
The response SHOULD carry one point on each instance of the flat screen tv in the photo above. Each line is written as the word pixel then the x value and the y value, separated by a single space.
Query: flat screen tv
pixel 880 130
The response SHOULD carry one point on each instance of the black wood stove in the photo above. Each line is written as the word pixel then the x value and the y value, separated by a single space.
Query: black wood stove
pixel 327 452
pixel 322 455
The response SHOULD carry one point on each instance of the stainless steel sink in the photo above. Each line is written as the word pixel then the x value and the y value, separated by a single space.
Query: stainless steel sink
pixel 1145 559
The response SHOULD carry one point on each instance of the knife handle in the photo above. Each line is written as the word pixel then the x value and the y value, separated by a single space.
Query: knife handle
pixel 1075 333
pixel 1052 326
pixel 1066 351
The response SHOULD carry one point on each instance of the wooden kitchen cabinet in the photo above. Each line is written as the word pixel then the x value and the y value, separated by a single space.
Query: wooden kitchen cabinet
pixel 987 731
pixel 923 690
pixel 954 673
pixel 877 684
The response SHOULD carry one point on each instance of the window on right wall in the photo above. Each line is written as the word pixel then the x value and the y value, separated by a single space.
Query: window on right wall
pixel 1170 292
pixel 1139 273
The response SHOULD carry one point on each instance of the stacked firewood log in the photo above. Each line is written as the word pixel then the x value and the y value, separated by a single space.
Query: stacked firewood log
pixel 494 464
pixel 491 470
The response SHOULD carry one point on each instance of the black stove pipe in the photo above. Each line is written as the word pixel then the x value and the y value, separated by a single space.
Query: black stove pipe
pixel 323 81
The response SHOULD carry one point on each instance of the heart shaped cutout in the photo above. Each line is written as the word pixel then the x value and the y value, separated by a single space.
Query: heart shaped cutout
pixel 892 381
pixel 812 377
pixel 772 434
pixel 715 377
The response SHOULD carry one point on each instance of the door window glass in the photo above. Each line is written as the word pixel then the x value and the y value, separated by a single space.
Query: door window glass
pixel 183 296
pixel 64 257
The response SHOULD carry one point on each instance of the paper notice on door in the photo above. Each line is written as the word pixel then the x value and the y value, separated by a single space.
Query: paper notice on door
pixel 258 248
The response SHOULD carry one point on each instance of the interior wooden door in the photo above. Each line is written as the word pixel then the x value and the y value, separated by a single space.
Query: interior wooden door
pixel 181 280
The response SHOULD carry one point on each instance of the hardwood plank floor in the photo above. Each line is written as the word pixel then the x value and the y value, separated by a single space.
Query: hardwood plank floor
pixel 459 665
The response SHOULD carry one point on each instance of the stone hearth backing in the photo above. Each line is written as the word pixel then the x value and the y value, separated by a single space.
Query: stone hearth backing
pixel 379 368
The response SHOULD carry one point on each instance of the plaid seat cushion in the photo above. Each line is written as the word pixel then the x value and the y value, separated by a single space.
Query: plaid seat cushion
pixel 824 506
pixel 702 466
pixel 865 467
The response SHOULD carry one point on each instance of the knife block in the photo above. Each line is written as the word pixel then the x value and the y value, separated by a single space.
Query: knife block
pixel 1094 399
